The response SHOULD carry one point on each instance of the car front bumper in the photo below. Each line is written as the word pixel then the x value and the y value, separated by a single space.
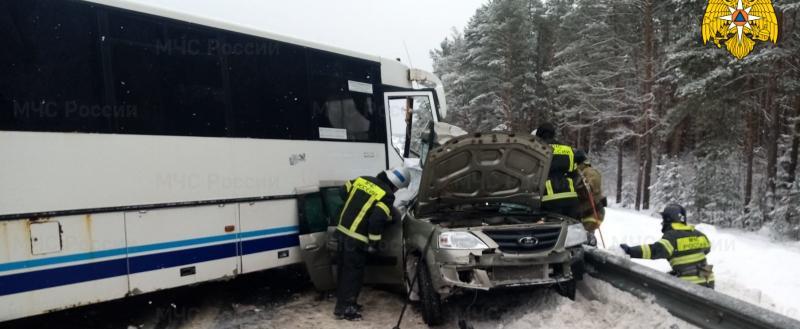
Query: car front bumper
pixel 460 270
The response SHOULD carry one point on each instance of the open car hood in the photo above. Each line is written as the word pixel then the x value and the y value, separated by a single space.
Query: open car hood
pixel 484 168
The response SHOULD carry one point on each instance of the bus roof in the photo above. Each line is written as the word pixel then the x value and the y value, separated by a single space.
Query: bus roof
pixel 162 12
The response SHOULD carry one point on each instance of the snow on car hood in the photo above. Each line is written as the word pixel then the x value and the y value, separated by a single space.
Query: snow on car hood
pixel 484 168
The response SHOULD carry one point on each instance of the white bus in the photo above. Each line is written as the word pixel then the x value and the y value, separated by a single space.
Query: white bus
pixel 144 149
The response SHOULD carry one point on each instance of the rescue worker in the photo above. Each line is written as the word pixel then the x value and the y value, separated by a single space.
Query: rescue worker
pixel 560 195
pixel 591 182
pixel 367 210
pixel 682 245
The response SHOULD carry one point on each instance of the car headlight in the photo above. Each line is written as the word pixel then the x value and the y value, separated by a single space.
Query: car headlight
pixel 576 235
pixel 460 240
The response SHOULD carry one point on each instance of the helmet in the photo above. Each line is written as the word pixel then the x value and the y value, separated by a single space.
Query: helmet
pixel 400 177
pixel 674 213
pixel 580 157
pixel 545 131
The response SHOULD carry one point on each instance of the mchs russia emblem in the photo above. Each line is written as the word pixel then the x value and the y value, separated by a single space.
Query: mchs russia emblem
pixel 738 24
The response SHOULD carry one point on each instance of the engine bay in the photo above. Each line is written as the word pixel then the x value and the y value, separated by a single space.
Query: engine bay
pixel 458 220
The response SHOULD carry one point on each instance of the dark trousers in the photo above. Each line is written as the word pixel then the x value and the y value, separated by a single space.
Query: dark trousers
pixel 352 258
pixel 567 208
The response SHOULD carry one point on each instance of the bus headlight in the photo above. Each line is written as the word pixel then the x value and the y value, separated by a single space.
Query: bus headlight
pixel 460 240
pixel 576 235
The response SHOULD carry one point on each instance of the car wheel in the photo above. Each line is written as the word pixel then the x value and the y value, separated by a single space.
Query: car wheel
pixel 566 289
pixel 430 301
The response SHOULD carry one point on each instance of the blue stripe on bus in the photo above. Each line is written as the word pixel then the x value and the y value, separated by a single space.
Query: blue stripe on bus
pixel 61 259
pixel 54 277
pixel 287 229
pixel 42 279
pixel 137 249
pixel 261 245
pixel 169 259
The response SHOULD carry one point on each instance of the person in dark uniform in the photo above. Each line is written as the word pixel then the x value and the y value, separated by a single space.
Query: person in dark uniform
pixel 682 245
pixel 560 194
pixel 367 209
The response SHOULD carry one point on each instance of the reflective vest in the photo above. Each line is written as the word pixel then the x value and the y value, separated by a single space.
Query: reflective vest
pixel 560 183
pixel 366 209
pixel 685 248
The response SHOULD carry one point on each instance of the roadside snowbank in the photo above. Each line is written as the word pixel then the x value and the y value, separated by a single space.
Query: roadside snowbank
pixel 747 266
pixel 597 305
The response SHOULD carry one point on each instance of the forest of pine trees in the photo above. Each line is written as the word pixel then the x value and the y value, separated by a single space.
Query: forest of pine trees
pixel 667 118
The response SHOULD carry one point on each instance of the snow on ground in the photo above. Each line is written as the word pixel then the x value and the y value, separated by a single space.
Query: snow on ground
pixel 747 265
pixel 598 305
pixel 284 299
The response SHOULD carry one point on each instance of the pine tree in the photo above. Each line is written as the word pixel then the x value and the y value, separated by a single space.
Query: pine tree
pixel 630 79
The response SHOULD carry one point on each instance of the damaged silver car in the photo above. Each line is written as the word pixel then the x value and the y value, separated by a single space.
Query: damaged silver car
pixel 476 224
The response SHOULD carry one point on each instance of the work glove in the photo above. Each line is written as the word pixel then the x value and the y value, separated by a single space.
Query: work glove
pixel 626 248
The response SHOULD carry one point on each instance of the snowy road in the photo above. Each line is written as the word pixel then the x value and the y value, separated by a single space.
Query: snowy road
pixel 598 305
pixel 747 266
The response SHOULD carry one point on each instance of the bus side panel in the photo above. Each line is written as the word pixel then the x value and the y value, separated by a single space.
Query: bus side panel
pixel 269 234
pixel 181 246
pixel 142 170
pixel 82 262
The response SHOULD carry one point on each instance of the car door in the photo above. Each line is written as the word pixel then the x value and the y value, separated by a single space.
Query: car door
pixel 315 233
pixel 318 212
pixel 409 114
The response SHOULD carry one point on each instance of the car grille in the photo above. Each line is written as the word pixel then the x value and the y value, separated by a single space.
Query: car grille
pixel 526 241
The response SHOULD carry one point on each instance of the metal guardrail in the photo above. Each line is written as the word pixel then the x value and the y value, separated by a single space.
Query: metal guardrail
pixel 697 305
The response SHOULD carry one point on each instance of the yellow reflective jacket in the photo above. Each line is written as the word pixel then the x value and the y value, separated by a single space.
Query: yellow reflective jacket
pixel 366 210
pixel 684 247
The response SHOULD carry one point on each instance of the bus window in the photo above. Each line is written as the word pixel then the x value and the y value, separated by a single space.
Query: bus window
pixel 336 105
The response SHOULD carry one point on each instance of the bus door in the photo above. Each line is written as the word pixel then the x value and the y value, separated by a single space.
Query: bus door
pixel 409 117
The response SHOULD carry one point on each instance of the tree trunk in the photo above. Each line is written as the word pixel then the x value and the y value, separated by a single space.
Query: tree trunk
pixel 749 154
pixel 795 143
pixel 639 174
pixel 648 169
pixel 620 150
pixel 579 132
pixel 639 188
pixel 647 90
pixel 773 135
pixel 677 139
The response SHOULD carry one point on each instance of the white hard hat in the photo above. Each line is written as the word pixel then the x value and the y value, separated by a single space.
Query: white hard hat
pixel 400 177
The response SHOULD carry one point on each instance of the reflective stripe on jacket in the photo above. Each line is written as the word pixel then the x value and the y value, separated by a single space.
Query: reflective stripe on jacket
pixel 366 209
pixel 560 185
pixel 684 247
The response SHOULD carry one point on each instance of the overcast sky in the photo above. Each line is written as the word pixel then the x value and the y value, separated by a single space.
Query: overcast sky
pixel 375 27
